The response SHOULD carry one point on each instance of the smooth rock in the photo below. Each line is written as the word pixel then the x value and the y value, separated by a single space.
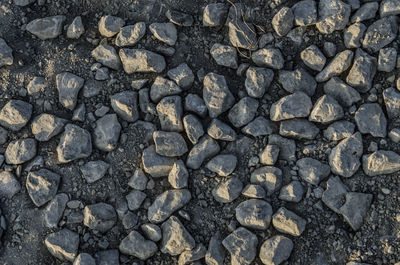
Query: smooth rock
pixel 254 214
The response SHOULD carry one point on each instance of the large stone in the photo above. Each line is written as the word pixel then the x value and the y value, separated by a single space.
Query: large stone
pixel 242 245
pixel 45 126
pixel 254 214
pixel 216 94
pixel 76 28
pixel 313 57
pixel 92 171
pixel 365 12
pixel 387 59
pixel 130 35
pixel 312 170
pixel 84 259
pixel 288 222
pixel 166 204
pixel 6 57
pixel 355 209
pixel 110 25
pixel 189 256
pixel 270 178
pixel 305 13
pixel 74 143
pixel 63 244
pixel 46 28
pixel 228 190
pixel 15 114
pixel 175 238
pixel 125 105
pixel 340 63
pixel 380 33
pixel 100 216
pixel 352 36
pixel 268 57
pixel 260 126
pixel 224 55
pixel 292 192
pixel 389 8
pixel 182 75
pixel 169 143
pixel 276 250
pixel 344 159
pixel 9 185
pixel 136 245
pixel 68 86
pixel 163 87
pixel 106 133
pixel 165 32
pixel 391 98
pixel 215 14
pixel 326 110
pixel 243 112
pixel 241 34
pixel 287 147
pixel 20 151
pixel 205 148
pixel 334 195
pixel 362 72
pixel 297 80
pixel 298 129
pixel 333 15
pixel 154 164
pixel 370 119
pixel 193 128
pixel 381 162
pixel 223 165
pixel 55 209
pixel 216 253
pixel 282 22
pixel 221 131
pixel 339 130
pixel 179 175
pixel 257 81
pixel 42 186
pixel 296 105
pixel 343 93
pixel 142 61
pixel 107 56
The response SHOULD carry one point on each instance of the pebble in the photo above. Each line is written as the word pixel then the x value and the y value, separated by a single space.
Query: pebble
pixel 6 57
pixel 175 238
pixel 170 113
pixel 130 35
pixel 20 151
pixel 76 28
pixel 189 256
pixel 387 59
pixel 269 177
pixel 257 81
pixel 365 12
pixel 224 55
pixel 15 114
pixel 333 15
pixel 163 87
pixel 241 34
pixel 151 231
pixel 36 86
pixel 268 57
pixel 110 25
pixel 298 129
pixel 269 155
pixel 165 32
pixel 242 245
pixel 334 195
pixel 68 87
pixel 216 94
pixel 254 214
pixel 136 245
pixel 63 244
pixel 391 98
pixel 297 80
pixel 141 60
pixel 134 199
pixel 223 165
pixel 389 8
pixel 74 143
pixel 106 133
pixel 46 28
pixel 287 147
pixel 394 135
pixel 355 209
pixel 42 186
pixel 107 56
pixel 215 254
pixel 228 190
pixel 195 104
pixel 84 259
pixel 342 92
pixel 352 36
pixel 205 148
pixel 282 22
pixel 125 105
pixel 100 216
pixel 288 222
pixel 179 18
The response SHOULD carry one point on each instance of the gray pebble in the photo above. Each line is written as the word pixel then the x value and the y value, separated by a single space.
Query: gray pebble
pixel 154 164
pixel 370 119
pixel 110 25
pixel 170 113
pixel 254 214
pixel 223 165
pixel 288 222
pixel 228 190
pixel 100 216
pixel 136 245
pixel 205 148
pixel 270 178
pixel 216 94
pixel 224 55
pixel 15 114
pixel 130 35
pixel 20 151
pixel 63 244
pixel 46 28
pixel 140 60
pixel 242 245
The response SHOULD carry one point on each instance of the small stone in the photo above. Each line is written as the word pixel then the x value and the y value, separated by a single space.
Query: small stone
pixel 216 94
pixel 142 61
pixel 193 128
pixel 296 105
pixel 100 216
pixel 136 245
pixel 342 92
pixel 391 98
pixel 297 80
pixel 326 110
pixel 270 57
pixel 215 14
pixel 36 86
pixel 63 244
pixel 179 18
pixel 46 28
pixel 106 133
pixel 79 113
pixel 125 105
pixel 20 151
pixel 305 13
pixel 55 209
pixel 182 75
pixel 228 191
pixel 270 178
pixel 154 164
pixel 110 25
pixel 333 15
pixel 178 176
pixel 355 209
pixel 68 86
pixel 166 204
pixel 362 72
pixel 381 162
pixel 370 119
pixel 6 57
pixel 216 253
pixel 176 239
pixel 130 35
pixel 298 129
pixel 286 146
pixel 254 214
pixel 84 259
pixel 9 185
pixel 389 8
pixel 276 250
pixel 292 192
pixel 165 32
pixel 42 186
pixel 288 222
pixel 135 198
pixel 163 87
pixel 313 58
pixel 205 148
pixel 260 126
pixel 223 165
pixel 76 28
pixel 257 81
pixel 107 56
pixel 195 104
pixel 188 256
pixel 352 36
pixel 15 114
pixel 282 22
pixel 224 55
pixel 254 191
pixel 387 59
pixel 102 74
pixel 242 245
pixel 365 12
pixel 138 180
pixel 243 112
pixel 334 195
pixel 269 155
pixel 169 143
pixel 74 143
pixel 394 135
pixel 340 63
pixel 221 131
pixel 380 33
pixel 45 126
pixel 329 49
pixel 151 231
pixel 312 170
pixel 92 171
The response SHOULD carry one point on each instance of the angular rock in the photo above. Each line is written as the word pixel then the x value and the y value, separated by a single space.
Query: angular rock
pixel 286 146
pixel 270 178
pixel 125 105
pixel 340 63
pixel 352 36
pixel 387 59
pixel 36 86
pixel 106 133
pixel 269 155
pixel 268 57
pixel 130 35
pixel 296 105
pixel 221 131
pixel 195 104
pixel 100 216
pixel 142 61
pixel 55 209
pixel 355 209
pixel 193 128
pixel 176 239
pixel 15 114
pixel 276 250
pixel 242 245
pixel 228 191
pixel 254 191
pixel 165 32
pixel 179 175
pixel 370 119
pixel 254 214
pixel 292 192
pixel 9 185
pixel 138 181
pixel 242 35
pixel 223 165
pixel 205 148
pixel 282 22
pixel 46 28
pixel 313 57
pixel 42 186
pixel 381 162
pixel 45 126
pixel 63 244
pixel 166 204
pixel 134 244
pixel 333 15
pixel 68 86
pixel 391 98
pixel 74 143
pixel 343 93
pixel 297 80
pixel 154 164
pixel 339 130
pixel 107 56
pixel 20 151
pixel 189 256
pixel 365 12
pixel 243 112
pixel 163 87
pixel 344 159
pixel 334 195
pixel 298 129
pixel 224 55
pixel 362 72
pixel 170 113
pixel 257 81
pixel 215 14
pixel 216 253
pixel 76 28
pixel 305 13
pixel 389 8
pixel 134 199
pixel 216 94
pixel 288 222
pixel 6 57
pixel 169 143
pixel 312 170
pixel 110 25
pixel 260 126
pixel 179 18
pixel 84 259
pixel 326 110
pixel 182 75
pixel 380 33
